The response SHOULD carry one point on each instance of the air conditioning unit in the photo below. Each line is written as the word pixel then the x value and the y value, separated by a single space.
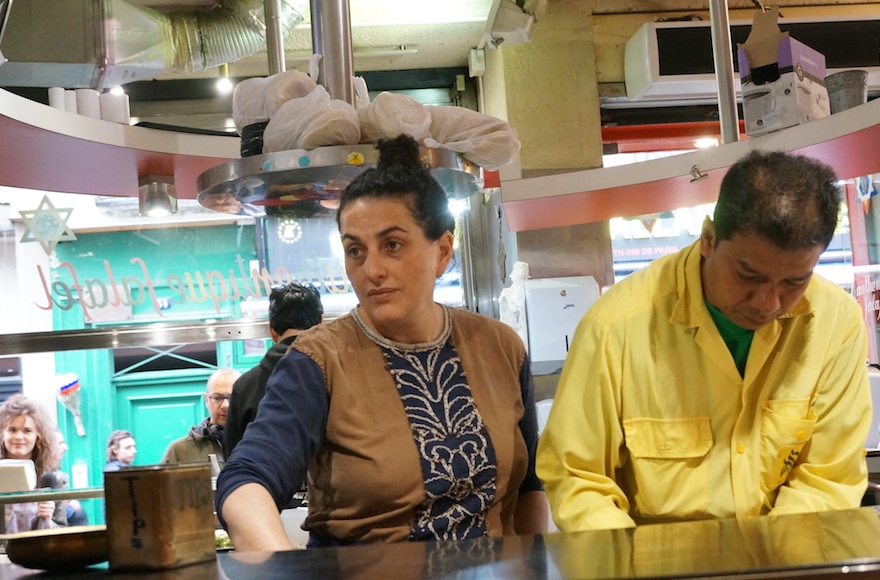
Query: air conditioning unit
pixel 673 61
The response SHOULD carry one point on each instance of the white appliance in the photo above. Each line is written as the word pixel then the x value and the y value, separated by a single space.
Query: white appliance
pixel 554 306
pixel 673 61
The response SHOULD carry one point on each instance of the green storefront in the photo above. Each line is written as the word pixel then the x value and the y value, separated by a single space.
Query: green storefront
pixel 151 276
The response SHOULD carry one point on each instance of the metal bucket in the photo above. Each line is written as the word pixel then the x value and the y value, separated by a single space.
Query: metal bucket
pixel 846 89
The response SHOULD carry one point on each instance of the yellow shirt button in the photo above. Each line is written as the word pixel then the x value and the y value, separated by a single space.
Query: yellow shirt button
pixel 800 434
pixel 740 448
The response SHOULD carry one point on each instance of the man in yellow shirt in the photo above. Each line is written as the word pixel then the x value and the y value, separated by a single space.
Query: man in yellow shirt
pixel 724 380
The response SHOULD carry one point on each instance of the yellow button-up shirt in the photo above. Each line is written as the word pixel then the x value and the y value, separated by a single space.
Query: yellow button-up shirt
pixel 652 421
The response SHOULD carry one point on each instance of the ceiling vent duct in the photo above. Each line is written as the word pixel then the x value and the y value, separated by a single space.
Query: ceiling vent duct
pixel 672 61
pixel 101 43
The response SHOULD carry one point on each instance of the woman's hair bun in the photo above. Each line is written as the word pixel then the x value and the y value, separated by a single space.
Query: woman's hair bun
pixel 403 150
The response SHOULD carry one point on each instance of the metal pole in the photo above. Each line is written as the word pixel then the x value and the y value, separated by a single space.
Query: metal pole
pixel 274 40
pixel 468 284
pixel 338 61
pixel 317 35
pixel 723 54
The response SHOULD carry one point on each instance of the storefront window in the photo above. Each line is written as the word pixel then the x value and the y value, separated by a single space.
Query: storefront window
pixel 636 241
pixel 167 358
pixel 78 266
pixel 309 250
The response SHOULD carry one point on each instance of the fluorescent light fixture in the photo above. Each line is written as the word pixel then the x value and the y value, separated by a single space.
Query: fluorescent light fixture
pixel 706 142
pixel 117 90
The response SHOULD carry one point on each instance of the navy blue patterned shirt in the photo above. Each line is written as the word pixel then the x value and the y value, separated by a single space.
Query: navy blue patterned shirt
pixel 455 450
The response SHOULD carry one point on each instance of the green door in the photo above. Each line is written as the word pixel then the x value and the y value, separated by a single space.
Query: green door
pixel 159 409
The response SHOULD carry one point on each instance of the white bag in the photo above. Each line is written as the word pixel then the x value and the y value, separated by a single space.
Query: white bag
pixel 312 121
pixel 512 302
pixel 391 114
pixel 249 103
pixel 361 93
pixel 485 140
pixel 285 86
pixel 256 100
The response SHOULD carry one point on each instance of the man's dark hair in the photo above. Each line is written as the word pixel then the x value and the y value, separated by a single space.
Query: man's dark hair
pixel 791 200
pixel 294 306
pixel 400 173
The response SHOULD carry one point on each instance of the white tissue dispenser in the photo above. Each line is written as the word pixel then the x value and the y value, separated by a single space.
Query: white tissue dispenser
pixel 554 306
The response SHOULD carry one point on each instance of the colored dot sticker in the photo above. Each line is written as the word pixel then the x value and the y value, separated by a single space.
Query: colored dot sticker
pixel 304 161
pixel 267 165
pixel 355 158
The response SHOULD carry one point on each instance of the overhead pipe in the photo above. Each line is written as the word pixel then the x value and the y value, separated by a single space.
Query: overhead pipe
pixel 274 39
pixel 204 39
pixel 336 40
pixel 317 35
pixel 724 79
pixel 134 42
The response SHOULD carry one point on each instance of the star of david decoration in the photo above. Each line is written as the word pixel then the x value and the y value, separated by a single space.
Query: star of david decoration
pixel 47 226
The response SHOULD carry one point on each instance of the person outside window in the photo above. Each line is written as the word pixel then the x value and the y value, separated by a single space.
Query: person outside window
pixel 121 450
pixel 206 438
pixel 292 309
pixel 28 433
pixel 76 515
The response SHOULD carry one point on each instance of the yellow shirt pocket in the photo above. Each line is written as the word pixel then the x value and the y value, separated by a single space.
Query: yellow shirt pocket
pixel 786 426
pixel 669 470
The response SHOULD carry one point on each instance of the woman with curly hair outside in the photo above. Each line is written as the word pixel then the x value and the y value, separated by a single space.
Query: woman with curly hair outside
pixel 28 433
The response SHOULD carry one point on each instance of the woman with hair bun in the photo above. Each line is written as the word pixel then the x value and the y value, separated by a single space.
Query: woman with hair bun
pixel 413 421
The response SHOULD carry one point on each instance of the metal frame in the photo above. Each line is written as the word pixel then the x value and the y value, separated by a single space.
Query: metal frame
pixel 126 336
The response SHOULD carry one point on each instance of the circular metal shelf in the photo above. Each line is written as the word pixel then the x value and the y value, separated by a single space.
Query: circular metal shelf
pixel 308 183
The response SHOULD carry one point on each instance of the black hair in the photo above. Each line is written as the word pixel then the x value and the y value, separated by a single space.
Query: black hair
pixel 294 306
pixel 401 174
pixel 791 200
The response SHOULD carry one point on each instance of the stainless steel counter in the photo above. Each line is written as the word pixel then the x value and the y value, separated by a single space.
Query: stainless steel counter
pixel 799 546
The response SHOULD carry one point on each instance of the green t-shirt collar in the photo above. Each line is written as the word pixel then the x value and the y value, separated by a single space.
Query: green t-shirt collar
pixel 737 338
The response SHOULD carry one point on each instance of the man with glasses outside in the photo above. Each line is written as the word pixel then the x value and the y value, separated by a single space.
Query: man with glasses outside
pixel 206 438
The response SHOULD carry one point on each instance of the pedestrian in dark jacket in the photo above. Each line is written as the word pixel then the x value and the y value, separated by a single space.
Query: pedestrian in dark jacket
pixel 292 309
pixel 206 438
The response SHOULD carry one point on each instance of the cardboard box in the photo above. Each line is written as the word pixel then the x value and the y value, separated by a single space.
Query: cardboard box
pixel 783 80
pixel 159 516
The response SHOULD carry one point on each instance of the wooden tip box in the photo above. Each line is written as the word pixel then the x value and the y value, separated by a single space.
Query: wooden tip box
pixel 159 516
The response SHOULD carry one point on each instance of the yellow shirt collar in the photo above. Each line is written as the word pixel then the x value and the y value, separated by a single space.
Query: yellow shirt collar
pixel 690 311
